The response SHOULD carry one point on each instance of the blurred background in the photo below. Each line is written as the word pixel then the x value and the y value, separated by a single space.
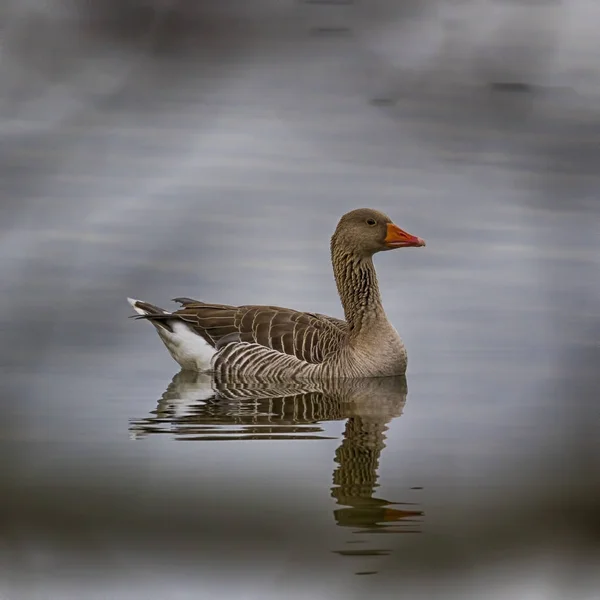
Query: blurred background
pixel 164 148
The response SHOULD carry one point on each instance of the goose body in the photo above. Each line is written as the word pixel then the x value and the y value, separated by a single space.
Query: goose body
pixel 271 343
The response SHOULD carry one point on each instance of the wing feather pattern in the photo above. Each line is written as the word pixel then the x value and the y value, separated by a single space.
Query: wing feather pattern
pixel 265 343
pixel 307 337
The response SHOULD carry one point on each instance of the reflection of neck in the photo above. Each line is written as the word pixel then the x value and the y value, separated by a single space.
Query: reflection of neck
pixel 355 478
pixel 358 289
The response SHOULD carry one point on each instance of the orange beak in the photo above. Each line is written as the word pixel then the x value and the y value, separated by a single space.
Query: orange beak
pixel 396 238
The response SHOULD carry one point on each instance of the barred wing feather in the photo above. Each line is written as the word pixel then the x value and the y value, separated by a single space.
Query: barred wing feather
pixel 307 337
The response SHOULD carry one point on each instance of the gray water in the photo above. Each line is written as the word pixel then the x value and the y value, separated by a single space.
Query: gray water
pixel 222 179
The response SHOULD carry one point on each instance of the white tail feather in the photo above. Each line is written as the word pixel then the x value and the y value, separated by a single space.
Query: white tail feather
pixel 186 347
pixel 138 310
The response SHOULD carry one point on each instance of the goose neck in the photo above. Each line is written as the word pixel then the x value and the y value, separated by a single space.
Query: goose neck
pixel 358 289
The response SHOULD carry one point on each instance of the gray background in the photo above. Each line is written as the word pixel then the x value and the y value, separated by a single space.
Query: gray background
pixel 164 149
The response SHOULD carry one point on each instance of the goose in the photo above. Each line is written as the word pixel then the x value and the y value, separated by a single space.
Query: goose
pixel 274 344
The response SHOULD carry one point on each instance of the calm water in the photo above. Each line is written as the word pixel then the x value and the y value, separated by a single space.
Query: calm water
pixel 226 187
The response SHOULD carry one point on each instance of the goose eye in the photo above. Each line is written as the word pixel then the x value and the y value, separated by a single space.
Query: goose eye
pixel 371 222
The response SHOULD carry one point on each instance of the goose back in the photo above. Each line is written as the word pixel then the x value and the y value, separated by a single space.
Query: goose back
pixel 308 337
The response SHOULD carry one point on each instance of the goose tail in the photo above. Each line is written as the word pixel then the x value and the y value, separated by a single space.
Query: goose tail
pixel 145 308
pixel 186 347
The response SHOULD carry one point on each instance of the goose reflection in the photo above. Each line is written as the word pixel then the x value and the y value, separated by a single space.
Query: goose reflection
pixel 195 407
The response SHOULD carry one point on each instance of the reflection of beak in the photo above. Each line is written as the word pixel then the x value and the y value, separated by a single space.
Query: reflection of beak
pixel 396 238
pixel 394 514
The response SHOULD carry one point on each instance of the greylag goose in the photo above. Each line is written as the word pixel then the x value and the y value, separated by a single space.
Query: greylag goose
pixel 270 343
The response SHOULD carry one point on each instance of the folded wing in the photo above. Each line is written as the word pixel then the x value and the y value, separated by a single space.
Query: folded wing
pixel 309 337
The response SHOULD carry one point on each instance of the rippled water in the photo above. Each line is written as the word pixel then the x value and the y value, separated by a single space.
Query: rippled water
pixel 191 410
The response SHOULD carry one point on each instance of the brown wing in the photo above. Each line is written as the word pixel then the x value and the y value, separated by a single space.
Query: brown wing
pixel 307 336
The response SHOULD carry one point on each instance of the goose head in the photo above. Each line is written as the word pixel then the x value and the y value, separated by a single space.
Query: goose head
pixel 365 231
